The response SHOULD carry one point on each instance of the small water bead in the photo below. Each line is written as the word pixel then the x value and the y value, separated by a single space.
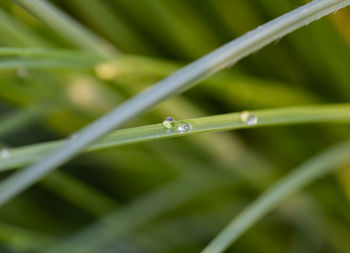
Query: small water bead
pixel 248 118
pixel 169 122
pixel 5 153
pixel 184 127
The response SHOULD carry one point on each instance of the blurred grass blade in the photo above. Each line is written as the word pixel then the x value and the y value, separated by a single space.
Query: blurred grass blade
pixel 79 193
pixel 24 240
pixel 297 179
pixel 22 118
pixel 41 58
pixel 47 52
pixel 12 64
pixel 16 33
pixel 181 80
pixel 74 31
pixel 98 13
pixel 283 116
pixel 152 204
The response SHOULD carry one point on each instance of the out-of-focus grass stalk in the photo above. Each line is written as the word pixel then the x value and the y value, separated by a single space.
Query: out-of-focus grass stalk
pixel 16 33
pixel 41 58
pixel 273 117
pixel 23 240
pixel 79 193
pixel 297 179
pixel 22 118
pixel 178 82
pixel 189 38
pixel 152 204
pixel 134 71
pixel 68 26
pixel 98 13
pixel 45 64
pixel 65 186
pixel 48 53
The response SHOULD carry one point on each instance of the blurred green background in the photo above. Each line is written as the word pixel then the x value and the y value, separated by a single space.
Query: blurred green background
pixel 171 195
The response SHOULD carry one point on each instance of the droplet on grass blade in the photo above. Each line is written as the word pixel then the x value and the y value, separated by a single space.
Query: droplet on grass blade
pixel 169 122
pixel 184 127
pixel 248 118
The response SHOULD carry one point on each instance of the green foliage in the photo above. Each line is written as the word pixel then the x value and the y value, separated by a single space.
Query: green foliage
pixel 66 63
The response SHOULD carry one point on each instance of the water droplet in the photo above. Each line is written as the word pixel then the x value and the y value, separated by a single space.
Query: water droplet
pixel 5 153
pixel 169 122
pixel 184 127
pixel 248 118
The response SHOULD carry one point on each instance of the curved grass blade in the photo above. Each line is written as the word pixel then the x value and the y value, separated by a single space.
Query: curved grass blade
pixel 297 179
pixel 152 204
pixel 273 117
pixel 74 31
pixel 181 80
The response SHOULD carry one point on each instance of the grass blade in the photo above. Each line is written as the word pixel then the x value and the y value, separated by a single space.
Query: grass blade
pixel 283 116
pixel 176 83
pixel 153 204
pixel 297 179
pixel 78 34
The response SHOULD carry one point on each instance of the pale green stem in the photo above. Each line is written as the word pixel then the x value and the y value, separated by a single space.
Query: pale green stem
pixel 297 179
pixel 72 30
pixel 282 116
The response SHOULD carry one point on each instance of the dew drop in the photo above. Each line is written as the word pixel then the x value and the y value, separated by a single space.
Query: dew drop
pixel 5 153
pixel 169 122
pixel 184 127
pixel 248 118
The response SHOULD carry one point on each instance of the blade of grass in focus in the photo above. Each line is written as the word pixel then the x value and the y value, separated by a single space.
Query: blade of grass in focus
pixel 273 117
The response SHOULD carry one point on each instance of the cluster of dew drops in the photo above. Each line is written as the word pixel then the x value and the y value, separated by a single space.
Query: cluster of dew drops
pixel 248 118
pixel 245 117
pixel 183 127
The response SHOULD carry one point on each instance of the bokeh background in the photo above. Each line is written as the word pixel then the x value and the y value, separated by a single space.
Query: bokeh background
pixel 172 195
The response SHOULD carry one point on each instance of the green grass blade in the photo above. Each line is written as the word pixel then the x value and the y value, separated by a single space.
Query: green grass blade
pixel 22 118
pixel 64 24
pixel 16 33
pixel 41 58
pixel 181 80
pixel 98 14
pixel 79 193
pixel 152 204
pixel 22 239
pixel 297 179
pixel 283 116
pixel 47 52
